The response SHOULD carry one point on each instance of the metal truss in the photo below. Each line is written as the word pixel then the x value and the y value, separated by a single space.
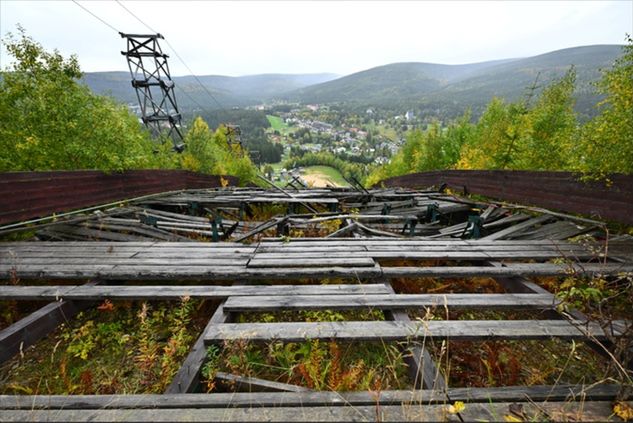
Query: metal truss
pixel 154 86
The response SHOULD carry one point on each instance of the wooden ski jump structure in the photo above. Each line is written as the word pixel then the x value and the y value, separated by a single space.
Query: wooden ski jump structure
pixel 115 252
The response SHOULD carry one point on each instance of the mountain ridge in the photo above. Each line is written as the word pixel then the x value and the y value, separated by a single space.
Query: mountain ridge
pixel 429 88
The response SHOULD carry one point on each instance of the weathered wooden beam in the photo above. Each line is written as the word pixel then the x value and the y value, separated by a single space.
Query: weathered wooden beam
pixel 518 228
pixel 175 292
pixel 594 392
pixel 183 271
pixel 410 331
pixel 188 376
pixel 390 301
pixel 422 369
pixel 289 270
pixel 259 229
pixel 37 325
pixel 253 384
pixel 579 411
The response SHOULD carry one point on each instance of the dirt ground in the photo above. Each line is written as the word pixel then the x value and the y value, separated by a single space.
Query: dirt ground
pixel 318 180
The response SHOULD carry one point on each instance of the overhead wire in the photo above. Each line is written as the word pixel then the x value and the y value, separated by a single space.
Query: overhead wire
pixel 206 90
pixel 94 15
pixel 178 56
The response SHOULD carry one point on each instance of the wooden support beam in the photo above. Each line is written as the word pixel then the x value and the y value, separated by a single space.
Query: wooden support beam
pixel 188 376
pixel 504 233
pixel 410 331
pixel 253 384
pixel 259 229
pixel 582 411
pixel 423 371
pixel 175 292
pixel 594 392
pixel 37 325
pixel 390 301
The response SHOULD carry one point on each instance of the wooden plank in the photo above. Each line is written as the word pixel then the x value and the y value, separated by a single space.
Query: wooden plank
pixel 184 272
pixel 135 261
pixel 170 292
pixel 557 411
pixel 595 392
pixel 260 228
pixel 403 331
pixel 390 301
pixel 422 369
pixel 311 262
pixel 29 330
pixel 253 384
pixel 427 413
pixel 419 255
pixel 514 229
pixel 288 271
pixel 510 270
pixel 585 411
pixel 368 250
pixel 188 376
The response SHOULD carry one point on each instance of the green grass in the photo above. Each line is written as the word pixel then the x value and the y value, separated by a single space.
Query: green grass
pixel 327 172
pixel 386 131
pixel 278 124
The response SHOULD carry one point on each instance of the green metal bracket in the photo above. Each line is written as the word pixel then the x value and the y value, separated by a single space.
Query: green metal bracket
pixel 194 207
pixel 148 220
pixel 433 212
pixel 242 210
pixel 215 223
pixel 475 226
pixel 410 225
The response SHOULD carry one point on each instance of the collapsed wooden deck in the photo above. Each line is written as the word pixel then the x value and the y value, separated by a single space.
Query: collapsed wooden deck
pixel 383 234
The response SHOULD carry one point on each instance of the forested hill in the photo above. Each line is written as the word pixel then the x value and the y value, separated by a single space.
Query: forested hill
pixel 447 90
pixel 229 91
pixel 426 88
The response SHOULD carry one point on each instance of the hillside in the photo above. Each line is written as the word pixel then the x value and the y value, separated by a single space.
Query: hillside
pixel 450 89
pixel 229 91
pixel 390 82
pixel 427 88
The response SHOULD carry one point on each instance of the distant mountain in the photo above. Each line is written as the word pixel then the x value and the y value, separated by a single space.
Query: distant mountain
pixel 447 90
pixel 390 83
pixel 228 91
pixel 428 89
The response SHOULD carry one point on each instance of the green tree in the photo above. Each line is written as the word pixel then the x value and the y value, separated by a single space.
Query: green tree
pixel 496 138
pixel 605 144
pixel 209 152
pixel 50 121
pixel 549 128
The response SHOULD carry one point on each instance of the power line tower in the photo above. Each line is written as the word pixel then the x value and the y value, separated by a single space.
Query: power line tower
pixel 233 135
pixel 154 86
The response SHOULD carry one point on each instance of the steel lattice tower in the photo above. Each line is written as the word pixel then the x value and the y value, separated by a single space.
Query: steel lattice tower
pixel 154 86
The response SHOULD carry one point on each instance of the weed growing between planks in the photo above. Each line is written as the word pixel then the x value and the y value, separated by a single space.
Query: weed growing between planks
pixel 314 364
pixel 511 363
pixel 318 365
pixel 122 348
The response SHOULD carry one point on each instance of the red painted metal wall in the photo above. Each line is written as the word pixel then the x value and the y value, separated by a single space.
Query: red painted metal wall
pixel 28 195
pixel 560 191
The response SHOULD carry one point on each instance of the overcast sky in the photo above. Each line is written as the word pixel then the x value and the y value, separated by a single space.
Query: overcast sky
pixel 250 37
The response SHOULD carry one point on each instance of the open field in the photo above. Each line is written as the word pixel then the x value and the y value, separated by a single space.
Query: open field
pixel 321 176
pixel 277 124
